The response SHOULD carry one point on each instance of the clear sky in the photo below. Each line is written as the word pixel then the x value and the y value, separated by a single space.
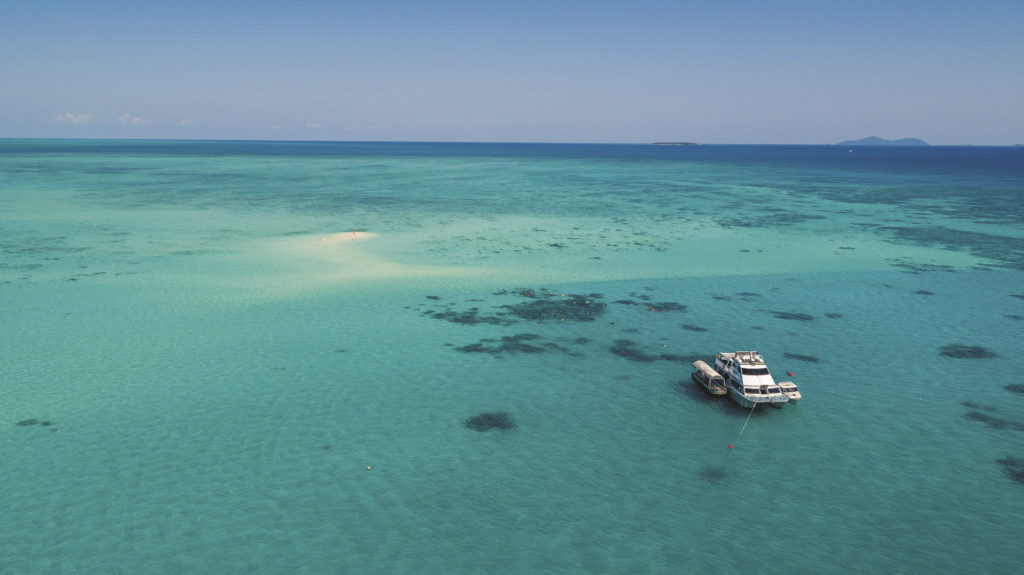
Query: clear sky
pixel 722 71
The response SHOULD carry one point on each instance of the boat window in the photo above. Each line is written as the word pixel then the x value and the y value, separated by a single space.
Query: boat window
pixel 773 390
pixel 755 371
pixel 750 390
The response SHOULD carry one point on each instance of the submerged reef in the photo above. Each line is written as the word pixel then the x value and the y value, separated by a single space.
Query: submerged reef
pixel 488 421
pixel 769 217
pixel 799 357
pixel 961 351
pixel 1008 251
pixel 993 421
pixel 28 422
pixel 1014 387
pixel 629 349
pixel 509 344
pixel 41 423
pixel 712 474
pixel 543 305
pixel 792 316
pixel 667 306
pixel 916 268
pixel 1013 467
pixel 470 316
pixel 519 344
pixel 540 305
pixel 691 327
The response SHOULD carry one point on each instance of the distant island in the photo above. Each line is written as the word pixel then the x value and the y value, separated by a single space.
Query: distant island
pixel 876 141
pixel 674 143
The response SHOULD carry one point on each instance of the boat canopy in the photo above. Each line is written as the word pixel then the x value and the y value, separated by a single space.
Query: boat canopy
pixel 707 370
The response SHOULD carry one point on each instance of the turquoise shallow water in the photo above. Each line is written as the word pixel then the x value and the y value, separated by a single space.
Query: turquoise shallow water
pixel 201 362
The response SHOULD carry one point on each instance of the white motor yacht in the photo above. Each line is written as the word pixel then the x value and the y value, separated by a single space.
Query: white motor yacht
pixel 748 380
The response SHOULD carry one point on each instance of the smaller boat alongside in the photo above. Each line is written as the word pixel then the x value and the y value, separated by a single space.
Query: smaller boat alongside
pixel 710 379
pixel 790 390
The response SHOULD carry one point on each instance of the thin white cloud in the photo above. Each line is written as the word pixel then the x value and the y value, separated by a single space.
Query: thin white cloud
pixel 314 125
pixel 187 122
pixel 130 120
pixel 73 119
pixel 365 128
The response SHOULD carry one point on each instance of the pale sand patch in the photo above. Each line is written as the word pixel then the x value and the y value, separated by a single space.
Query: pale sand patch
pixel 291 266
pixel 499 252
pixel 347 236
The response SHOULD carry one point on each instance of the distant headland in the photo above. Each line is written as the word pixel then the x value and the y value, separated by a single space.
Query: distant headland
pixel 876 141
pixel 674 143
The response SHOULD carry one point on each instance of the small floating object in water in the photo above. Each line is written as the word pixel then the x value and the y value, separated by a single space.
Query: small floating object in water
pixel 730 446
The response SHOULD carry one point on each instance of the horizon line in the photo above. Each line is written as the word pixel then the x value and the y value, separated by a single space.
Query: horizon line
pixel 662 143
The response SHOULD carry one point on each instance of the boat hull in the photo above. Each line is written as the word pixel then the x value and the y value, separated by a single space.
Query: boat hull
pixel 749 402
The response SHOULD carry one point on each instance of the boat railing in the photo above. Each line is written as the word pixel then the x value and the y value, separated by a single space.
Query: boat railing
pixel 774 398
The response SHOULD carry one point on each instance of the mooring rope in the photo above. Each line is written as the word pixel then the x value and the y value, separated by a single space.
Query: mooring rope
pixel 748 418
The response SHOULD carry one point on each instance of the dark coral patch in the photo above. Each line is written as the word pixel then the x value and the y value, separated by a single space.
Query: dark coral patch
pixel 712 474
pixel 833 315
pixel 666 306
pixel 1014 387
pixel 1014 316
pixel 690 327
pixel 33 421
pixel 549 307
pixel 627 348
pixel 923 292
pixel 960 351
pixel 916 268
pixel 488 421
pixel 470 316
pixel 792 316
pixel 993 421
pixel 799 357
pixel 1013 467
pixel 509 344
